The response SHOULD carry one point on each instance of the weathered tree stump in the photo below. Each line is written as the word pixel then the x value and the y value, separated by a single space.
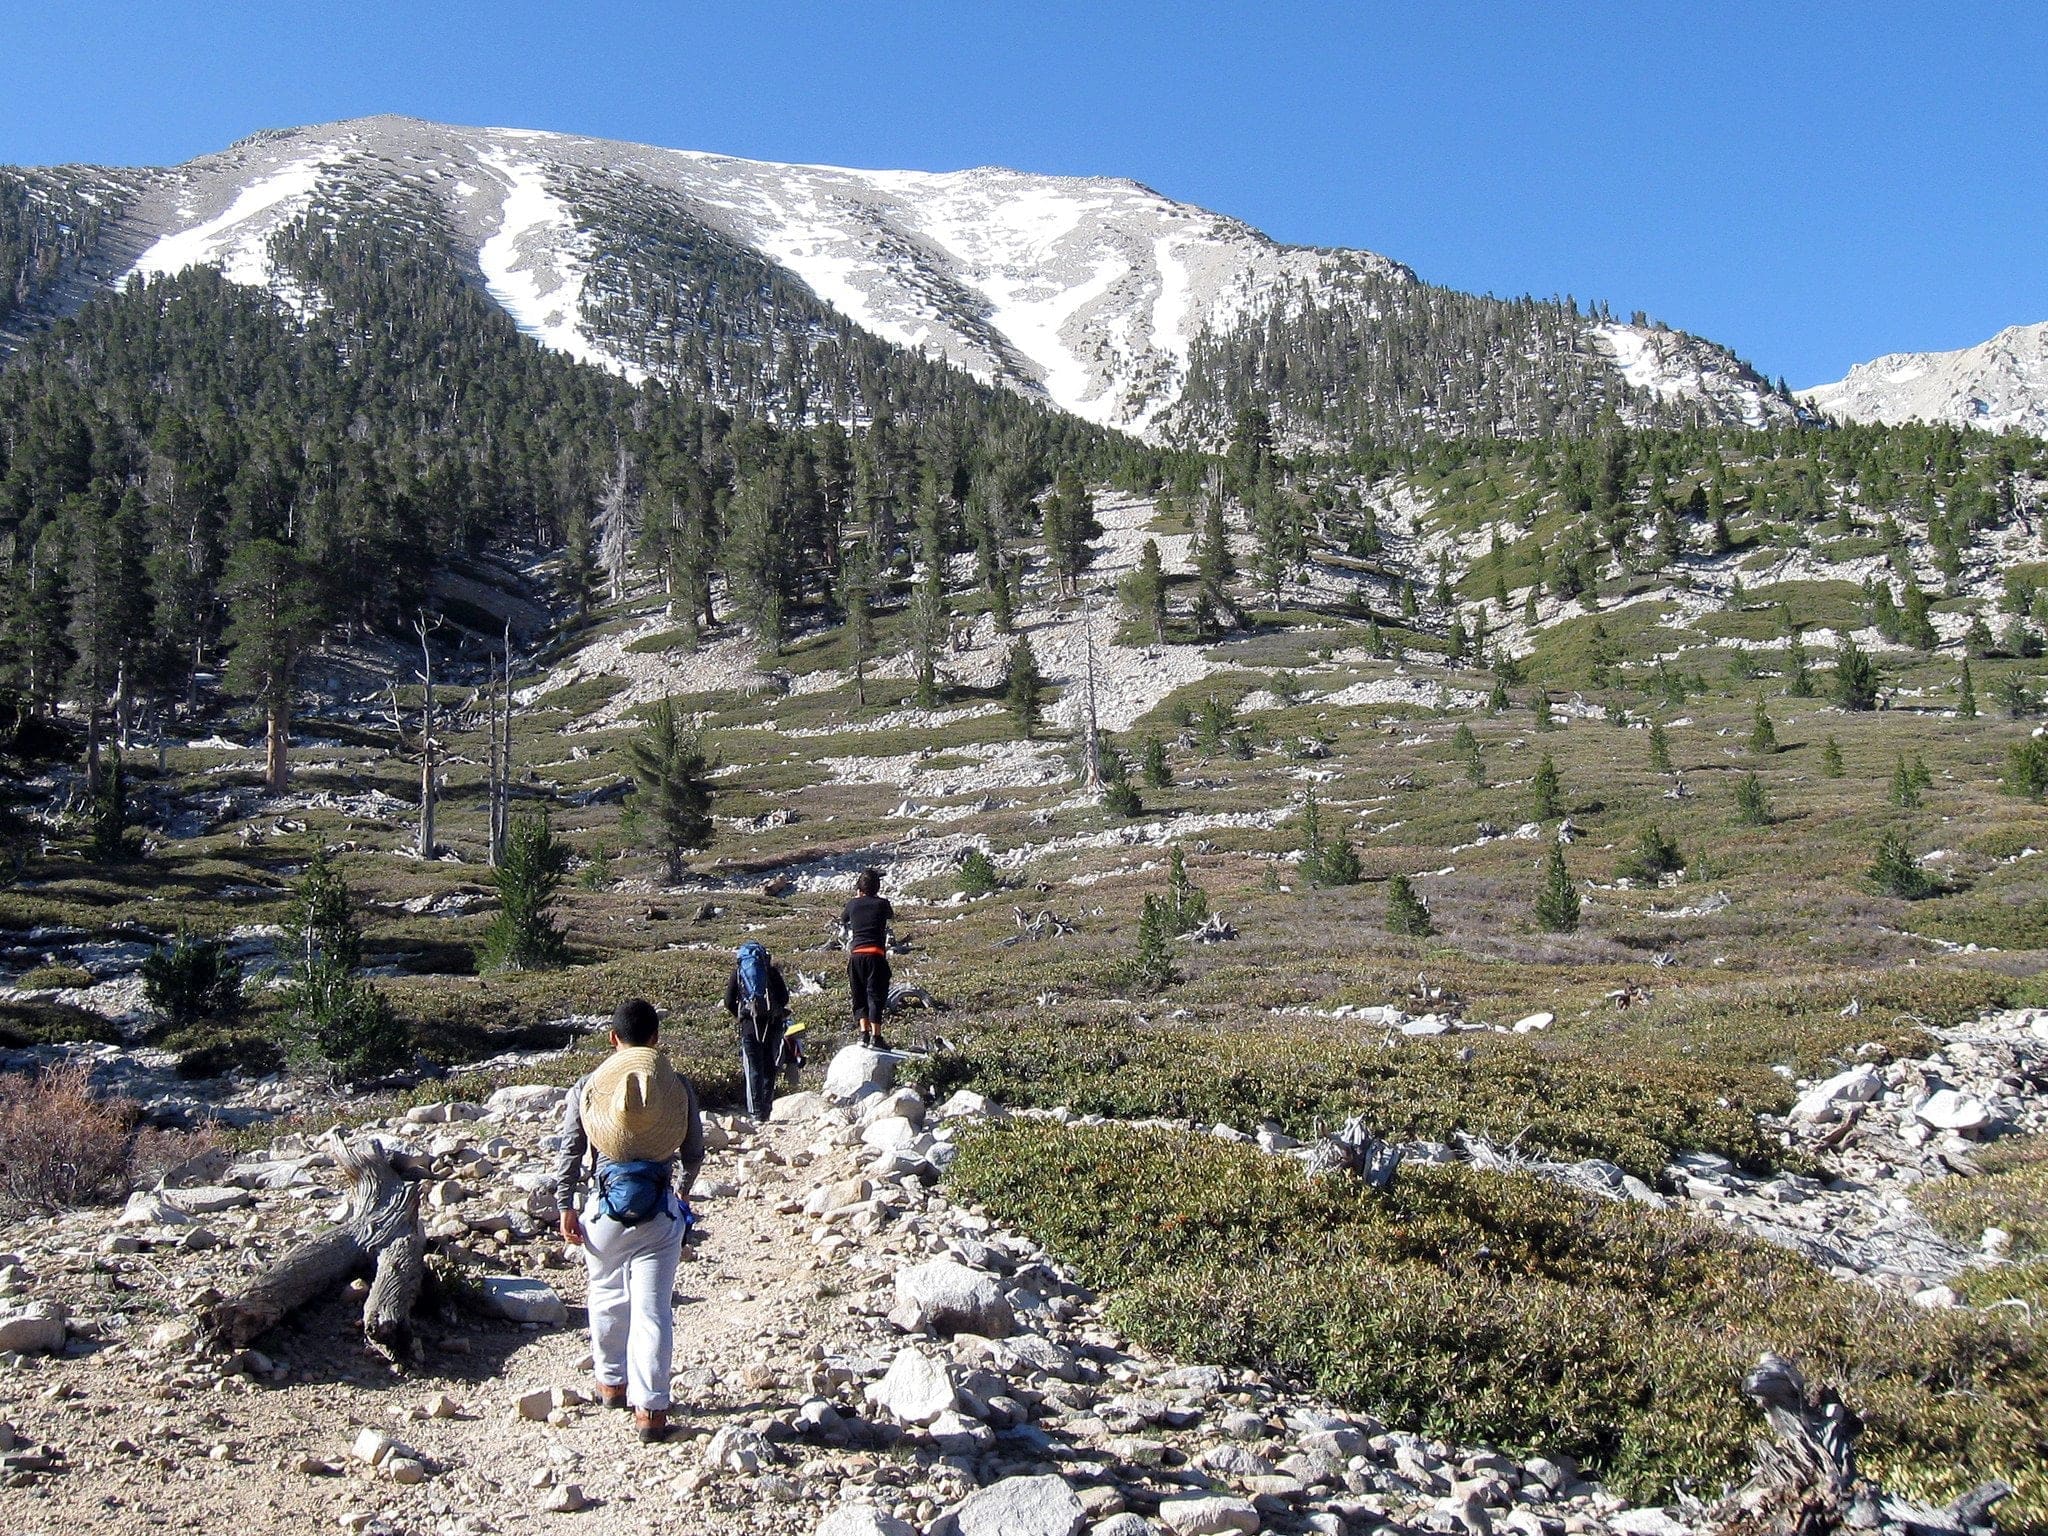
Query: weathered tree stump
pixel 1355 1150
pixel 379 1235
pixel 1806 1482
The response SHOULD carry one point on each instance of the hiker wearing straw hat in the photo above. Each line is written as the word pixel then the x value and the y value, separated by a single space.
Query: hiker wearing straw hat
pixel 632 1126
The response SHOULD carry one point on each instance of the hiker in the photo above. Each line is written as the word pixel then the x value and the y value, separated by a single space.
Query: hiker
pixel 866 920
pixel 758 999
pixel 635 1120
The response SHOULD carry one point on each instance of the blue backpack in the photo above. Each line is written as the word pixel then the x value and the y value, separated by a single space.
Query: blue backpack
pixel 631 1193
pixel 752 969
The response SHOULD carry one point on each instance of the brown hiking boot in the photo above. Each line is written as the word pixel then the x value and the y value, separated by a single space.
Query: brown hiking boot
pixel 611 1397
pixel 652 1424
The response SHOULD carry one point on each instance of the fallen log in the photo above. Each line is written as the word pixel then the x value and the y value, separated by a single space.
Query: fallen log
pixel 379 1235
pixel 1806 1483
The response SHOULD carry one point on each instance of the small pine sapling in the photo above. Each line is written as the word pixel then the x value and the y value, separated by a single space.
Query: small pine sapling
pixel 1119 795
pixel 1660 748
pixel 1152 969
pixel 1752 803
pixel 1831 759
pixel 1407 913
pixel 1895 872
pixel 1763 736
pixel 1557 899
pixel 1905 793
pixel 1153 768
pixel 1546 792
pixel 1187 905
pixel 977 874
pixel 1655 856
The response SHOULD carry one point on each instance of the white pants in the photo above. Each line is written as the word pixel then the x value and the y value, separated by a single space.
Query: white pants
pixel 632 1286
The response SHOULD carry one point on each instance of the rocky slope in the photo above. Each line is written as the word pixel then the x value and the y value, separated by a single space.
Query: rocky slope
pixel 1996 386
pixel 856 1356
pixel 1087 292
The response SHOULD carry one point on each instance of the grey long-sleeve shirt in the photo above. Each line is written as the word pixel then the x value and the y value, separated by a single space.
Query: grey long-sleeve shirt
pixel 572 1157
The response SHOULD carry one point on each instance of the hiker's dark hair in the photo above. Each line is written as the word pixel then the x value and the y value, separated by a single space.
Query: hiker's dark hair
pixel 869 883
pixel 636 1022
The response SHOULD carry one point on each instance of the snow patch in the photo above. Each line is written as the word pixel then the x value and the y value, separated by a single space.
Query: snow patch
pixel 534 265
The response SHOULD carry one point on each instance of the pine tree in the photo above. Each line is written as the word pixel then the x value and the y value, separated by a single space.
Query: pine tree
pixel 1152 969
pixel 1752 804
pixel 1545 719
pixel 1407 915
pixel 271 619
pixel 1831 759
pixel 1119 796
pixel 1022 686
pixel 109 815
pixel 1905 794
pixel 674 774
pixel 755 562
pixel 329 1010
pixel 1546 794
pixel 1966 694
pixel 1660 748
pixel 1153 768
pixel 1763 736
pixel 1557 899
pixel 929 617
pixel 2014 696
pixel 1498 699
pixel 1070 529
pixel 1799 670
pixel 2026 768
pixel 1213 568
pixel 1144 593
pixel 1655 856
pixel 522 936
pixel 1187 907
pixel 856 594
pixel 1895 872
pixel 1855 680
pixel 1915 627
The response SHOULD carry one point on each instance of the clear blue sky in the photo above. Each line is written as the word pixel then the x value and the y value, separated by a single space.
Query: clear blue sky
pixel 1811 184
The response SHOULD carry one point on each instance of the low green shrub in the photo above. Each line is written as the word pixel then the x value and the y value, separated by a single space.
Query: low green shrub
pixel 191 979
pixel 54 978
pixel 1476 1306
pixel 1636 1113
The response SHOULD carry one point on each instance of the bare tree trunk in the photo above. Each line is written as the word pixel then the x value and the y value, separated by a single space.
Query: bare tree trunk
pixel 428 794
pixel 123 713
pixel 277 768
pixel 1091 742
pixel 501 759
pixel 379 1232
pixel 92 746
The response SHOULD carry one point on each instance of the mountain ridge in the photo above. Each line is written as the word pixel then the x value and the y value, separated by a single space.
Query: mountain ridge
pixel 1095 294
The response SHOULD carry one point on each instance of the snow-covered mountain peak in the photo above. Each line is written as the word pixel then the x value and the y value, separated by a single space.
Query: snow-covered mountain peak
pixel 1997 385
pixel 1092 293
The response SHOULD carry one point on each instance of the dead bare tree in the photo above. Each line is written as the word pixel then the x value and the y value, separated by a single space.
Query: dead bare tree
pixel 429 750
pixel 500 731
pixel 1091 737
pixel 1806 1482
pixel 379 1234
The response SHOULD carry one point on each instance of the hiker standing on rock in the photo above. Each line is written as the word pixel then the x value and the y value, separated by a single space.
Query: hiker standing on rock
pixel 866 920
pixel 635 1120
pixel 758 999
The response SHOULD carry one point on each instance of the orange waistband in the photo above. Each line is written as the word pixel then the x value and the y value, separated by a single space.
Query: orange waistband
pixel 869 949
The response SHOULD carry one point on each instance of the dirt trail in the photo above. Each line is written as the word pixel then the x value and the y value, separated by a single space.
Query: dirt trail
pixel 152 1444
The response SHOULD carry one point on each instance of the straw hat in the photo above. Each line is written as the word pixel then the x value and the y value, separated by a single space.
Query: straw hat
pixel 635 1108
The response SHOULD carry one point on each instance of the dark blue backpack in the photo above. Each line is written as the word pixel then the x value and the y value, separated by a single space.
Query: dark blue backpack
pixel 753 971
pixel 631 1193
